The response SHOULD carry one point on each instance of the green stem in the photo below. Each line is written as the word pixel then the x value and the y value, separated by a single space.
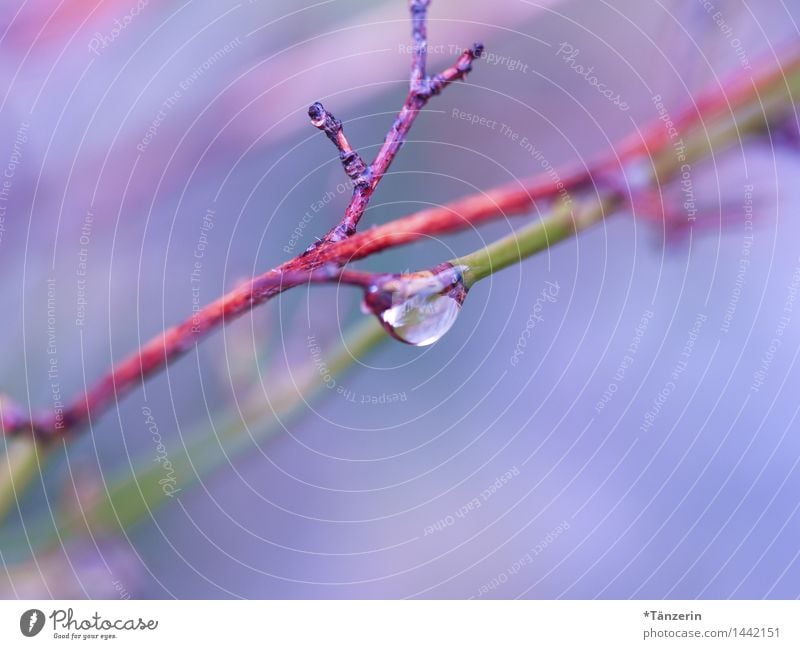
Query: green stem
pixel 561 223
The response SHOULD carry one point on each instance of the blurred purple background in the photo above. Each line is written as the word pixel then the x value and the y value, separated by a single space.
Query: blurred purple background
pixel 128 128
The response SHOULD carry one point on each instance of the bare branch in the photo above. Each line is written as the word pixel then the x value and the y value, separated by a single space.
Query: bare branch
pixel 422 88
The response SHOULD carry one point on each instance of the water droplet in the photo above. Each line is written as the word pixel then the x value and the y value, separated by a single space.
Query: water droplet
pixel 422 319
pixel 417 308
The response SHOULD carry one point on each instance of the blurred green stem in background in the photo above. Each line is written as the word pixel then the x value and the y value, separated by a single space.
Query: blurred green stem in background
pixel 135 494
pixel 22 461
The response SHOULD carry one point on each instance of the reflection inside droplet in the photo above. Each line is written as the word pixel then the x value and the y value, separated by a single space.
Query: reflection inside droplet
pixel 417 308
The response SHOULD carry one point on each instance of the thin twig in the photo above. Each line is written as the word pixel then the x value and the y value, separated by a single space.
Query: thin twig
pixel 422 88
pixel 355 168
pixel 419 32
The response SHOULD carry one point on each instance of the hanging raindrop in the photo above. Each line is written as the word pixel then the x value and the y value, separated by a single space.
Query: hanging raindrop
pixel 417 308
